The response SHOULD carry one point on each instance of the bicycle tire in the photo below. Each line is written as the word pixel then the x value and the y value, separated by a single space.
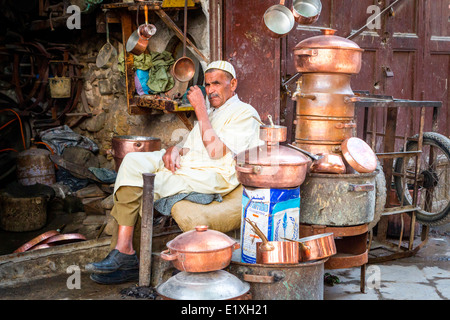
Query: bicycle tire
pixel 429 179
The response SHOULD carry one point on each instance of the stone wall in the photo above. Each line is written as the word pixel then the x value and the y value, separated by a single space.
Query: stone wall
pixel 106 93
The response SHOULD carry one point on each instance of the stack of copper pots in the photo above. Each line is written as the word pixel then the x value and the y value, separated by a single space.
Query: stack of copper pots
pixel 201 255
pixel 325 101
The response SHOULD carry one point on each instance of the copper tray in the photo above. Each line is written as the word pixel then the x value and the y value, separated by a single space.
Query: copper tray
pixel 38 240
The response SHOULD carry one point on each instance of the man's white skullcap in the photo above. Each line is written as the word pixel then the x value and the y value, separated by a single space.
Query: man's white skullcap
pixel 222 65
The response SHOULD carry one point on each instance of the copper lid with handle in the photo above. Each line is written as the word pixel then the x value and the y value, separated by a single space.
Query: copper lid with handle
pixel 359 155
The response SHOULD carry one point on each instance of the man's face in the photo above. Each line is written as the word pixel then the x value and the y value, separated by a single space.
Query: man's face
pixel 219 87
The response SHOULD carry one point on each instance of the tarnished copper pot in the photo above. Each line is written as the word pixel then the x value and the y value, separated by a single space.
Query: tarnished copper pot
pixel 200 250
pixel 327 53
pixel 121 145
pixel 316 128
pixel 34 166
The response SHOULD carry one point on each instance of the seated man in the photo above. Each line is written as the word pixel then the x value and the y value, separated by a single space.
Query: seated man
pixel 204 164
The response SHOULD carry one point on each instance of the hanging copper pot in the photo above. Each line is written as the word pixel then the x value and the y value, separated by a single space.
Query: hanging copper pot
pixel 306 11
pixel 327 53
pixel 278 20
pixel 184 68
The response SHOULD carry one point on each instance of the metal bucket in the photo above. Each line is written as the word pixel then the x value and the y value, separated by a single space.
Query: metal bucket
pixel 22 214
pixel 338 199
pixel 121 145
pixel 302 281
pixel 34 166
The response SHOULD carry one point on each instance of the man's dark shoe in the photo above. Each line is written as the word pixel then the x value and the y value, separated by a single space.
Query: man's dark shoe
pixel 114 261
pixel 116 277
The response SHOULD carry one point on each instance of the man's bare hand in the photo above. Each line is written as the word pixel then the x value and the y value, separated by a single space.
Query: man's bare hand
pixel 197 100
pixel 172 158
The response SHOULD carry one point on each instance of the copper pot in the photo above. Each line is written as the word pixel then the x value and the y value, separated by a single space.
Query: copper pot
pixel 136 44
pixel 316 247
pixel 121 145
pixel 200 250
pixel 329 163
pixel 272 165
pixel 327 53
pixel 274 252
pixel 278 20
pixel 316 128
pixel 306 11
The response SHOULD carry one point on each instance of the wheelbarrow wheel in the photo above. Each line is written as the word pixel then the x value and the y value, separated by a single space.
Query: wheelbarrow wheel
pixel 433 179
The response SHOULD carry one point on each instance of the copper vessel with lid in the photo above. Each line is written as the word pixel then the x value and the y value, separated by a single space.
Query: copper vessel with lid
pixel 200 250
pixel 272 165
pixel 327 53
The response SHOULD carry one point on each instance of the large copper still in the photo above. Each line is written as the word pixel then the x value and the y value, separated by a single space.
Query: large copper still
pixel 325 113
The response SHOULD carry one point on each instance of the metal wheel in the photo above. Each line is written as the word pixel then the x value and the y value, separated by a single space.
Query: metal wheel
pixel 433 179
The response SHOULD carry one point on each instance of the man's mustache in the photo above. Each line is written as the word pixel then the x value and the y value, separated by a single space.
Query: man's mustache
pixel 213 95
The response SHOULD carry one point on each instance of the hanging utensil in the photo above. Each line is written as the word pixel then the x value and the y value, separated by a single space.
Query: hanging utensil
pixel 146 30
pixel 107 51
pixel 184 68
pixel 278 20
pixel 137 44
pixel 306 11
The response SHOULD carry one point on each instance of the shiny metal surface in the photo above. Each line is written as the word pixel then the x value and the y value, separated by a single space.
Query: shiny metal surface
pixel 329 163
pixel 306 11
pixel 332 129
pixel 317 247
pixel 215 285
pixel 121 145
pixel 359 155
pixel 327 53
pixel 136 44
pixel 274 252
pixel 272 165
pixel 278 20
pixel 200 250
